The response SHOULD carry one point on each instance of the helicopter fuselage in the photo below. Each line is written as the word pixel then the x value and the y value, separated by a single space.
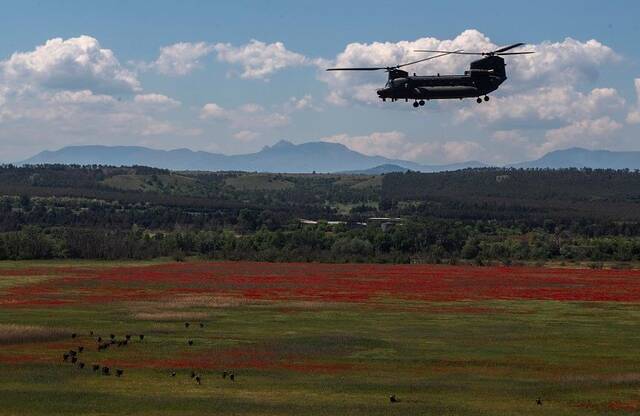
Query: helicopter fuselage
pixel 440 87
pixel 483 77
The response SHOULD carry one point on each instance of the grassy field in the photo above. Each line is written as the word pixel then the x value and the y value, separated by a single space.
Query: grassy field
pixel 319 339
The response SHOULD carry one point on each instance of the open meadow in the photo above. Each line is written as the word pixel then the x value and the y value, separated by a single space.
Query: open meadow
pixel 317 339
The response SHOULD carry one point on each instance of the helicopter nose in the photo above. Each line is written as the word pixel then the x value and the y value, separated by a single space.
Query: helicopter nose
pixel 382 93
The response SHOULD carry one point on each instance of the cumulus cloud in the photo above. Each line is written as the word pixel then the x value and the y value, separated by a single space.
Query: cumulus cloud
pixel 259 60
pixel 634 115
pixel 248 117
pixel 75 91
pixel 73 64
pixel 544 107
pixel 584 133
pixel 181 58
pixel 397 145
pixel 561 63
pixel 245 135
pixel 390 144
pixel 212 110
pixel 158 101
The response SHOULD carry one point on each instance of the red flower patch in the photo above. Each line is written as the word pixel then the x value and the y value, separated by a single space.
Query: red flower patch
pixel 323 283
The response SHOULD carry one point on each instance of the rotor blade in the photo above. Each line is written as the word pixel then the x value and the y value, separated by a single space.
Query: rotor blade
pixel 515 53
pixel 358 69
pixel 506 48
pixel 460 52
pixel 424 59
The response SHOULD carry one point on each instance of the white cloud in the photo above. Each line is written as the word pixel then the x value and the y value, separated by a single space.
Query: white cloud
pixel 397 145
pixel 562 63
pixel 74 64
pixel 302 103
pixel 246 117
pixel 79 97
pixel 584 133
pixel 389 144
pixel 259 60
pixel 181 58
pixel 212 110
pixel 158 101
pixel 543 107
pixel 245 135
pixel 634 115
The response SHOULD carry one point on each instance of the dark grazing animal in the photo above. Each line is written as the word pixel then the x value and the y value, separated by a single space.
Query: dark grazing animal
pixel 99 339
pixel 190 342
pixel 198 379
pixel 141 337
pixel 74 335
pixel 186 324
pixel 95 367
pixel 173 374
pixel 128 337
pixel 91 333
pixel 193 374
pixel 225 374
pixel 80 348
pixel 81 365
pixel 232 377
pixel 74 360
pixel 72 353
pixel 106 371
pixel 201 325
pixel 65 356
pixel 119 372
pixel 539 401
pixel 393 399
pixel 112 336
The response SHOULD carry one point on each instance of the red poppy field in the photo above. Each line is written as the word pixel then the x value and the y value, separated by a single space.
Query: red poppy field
pixel 318 339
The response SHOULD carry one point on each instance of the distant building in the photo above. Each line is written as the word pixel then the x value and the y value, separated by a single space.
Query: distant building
pixel 385 223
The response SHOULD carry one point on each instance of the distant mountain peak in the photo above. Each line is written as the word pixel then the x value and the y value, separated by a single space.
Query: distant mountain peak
pixel 282 144
pixel 283 156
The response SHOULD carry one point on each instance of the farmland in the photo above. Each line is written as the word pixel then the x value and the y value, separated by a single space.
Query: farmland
pixel 321 339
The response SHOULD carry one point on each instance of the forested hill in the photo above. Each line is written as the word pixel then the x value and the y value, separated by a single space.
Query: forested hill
pixel 53 211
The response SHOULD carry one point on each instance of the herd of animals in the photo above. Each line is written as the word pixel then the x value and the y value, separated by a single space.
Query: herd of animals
pixel 73 356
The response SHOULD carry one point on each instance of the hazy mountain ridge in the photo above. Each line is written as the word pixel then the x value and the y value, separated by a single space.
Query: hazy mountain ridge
pixel 281 157
pixel 309 157
pixel 577 157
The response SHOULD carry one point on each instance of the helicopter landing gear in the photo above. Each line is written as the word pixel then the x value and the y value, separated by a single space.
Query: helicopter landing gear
pixel 479 100
pixel 415 104
pixel 421 102
pixel 486 98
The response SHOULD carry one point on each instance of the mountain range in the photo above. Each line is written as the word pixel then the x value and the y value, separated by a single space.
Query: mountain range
pixel 321 157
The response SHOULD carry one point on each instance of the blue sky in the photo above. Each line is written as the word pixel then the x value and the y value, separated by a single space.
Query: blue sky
pixel 232 77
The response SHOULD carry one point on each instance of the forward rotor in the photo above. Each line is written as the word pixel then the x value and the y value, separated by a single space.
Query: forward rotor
pixel 393 68
pixel 500 51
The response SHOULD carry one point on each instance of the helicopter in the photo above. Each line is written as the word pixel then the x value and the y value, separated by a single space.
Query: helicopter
pixel 483 77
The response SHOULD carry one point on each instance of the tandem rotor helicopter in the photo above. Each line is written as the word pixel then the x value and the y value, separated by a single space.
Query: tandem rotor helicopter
pixel 484 76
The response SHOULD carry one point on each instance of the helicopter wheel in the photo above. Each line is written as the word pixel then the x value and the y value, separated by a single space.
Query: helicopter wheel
pixel 479 100
pixel 415 104
pixel 421 102
pixel 486 98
